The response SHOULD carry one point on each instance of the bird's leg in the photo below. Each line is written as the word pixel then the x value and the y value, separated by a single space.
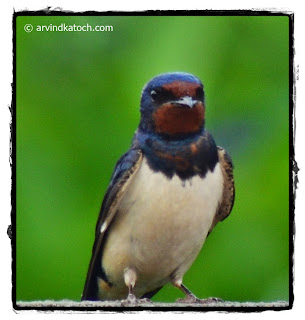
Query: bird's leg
pixel 190 297
pixel 130 278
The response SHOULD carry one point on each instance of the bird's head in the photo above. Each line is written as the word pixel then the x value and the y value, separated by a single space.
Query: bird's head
pixel 172 105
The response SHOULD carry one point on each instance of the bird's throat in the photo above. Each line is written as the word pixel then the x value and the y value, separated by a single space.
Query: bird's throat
pixel 171 119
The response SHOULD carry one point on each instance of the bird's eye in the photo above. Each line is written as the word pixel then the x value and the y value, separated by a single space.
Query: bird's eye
pixel 159 95
pixel 153 95
pixel 199 94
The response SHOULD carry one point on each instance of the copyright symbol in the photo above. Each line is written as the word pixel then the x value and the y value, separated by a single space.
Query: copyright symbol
pixel 28 28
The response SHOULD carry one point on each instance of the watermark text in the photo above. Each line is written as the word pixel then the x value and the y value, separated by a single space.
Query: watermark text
pixel 63 27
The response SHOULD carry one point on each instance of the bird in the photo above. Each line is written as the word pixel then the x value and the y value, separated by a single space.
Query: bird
pixel 166 194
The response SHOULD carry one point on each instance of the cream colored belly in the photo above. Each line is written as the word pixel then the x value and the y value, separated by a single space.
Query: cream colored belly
pixel 160 227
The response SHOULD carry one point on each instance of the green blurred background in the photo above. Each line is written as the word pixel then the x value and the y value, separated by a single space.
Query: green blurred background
pixel 77 109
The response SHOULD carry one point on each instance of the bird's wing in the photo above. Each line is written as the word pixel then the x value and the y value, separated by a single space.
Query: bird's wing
pixel 227 202
pixel 124 172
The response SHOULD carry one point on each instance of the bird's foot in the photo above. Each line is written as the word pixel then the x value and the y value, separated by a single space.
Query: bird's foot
pixel 210 300
pixel 190 298
pixel 132 300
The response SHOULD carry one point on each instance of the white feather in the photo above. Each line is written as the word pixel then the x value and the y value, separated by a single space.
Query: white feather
pixel 161 226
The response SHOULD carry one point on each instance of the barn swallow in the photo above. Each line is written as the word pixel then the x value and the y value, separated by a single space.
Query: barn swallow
pixel 165 196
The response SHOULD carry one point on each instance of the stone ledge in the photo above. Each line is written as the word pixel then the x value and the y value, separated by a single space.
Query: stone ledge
pixel 87 305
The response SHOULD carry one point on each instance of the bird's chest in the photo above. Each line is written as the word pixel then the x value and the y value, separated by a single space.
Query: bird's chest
pixel 163 222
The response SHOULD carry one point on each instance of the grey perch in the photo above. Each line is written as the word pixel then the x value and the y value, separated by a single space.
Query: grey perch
pixel 116 304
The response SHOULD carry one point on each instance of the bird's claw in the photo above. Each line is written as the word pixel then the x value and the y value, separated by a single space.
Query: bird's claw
pixel 190 298
pixel 211 300
pixel 132 300
pixel 193 299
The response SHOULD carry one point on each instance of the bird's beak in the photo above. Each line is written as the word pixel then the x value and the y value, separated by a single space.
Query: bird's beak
pixel 186 101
